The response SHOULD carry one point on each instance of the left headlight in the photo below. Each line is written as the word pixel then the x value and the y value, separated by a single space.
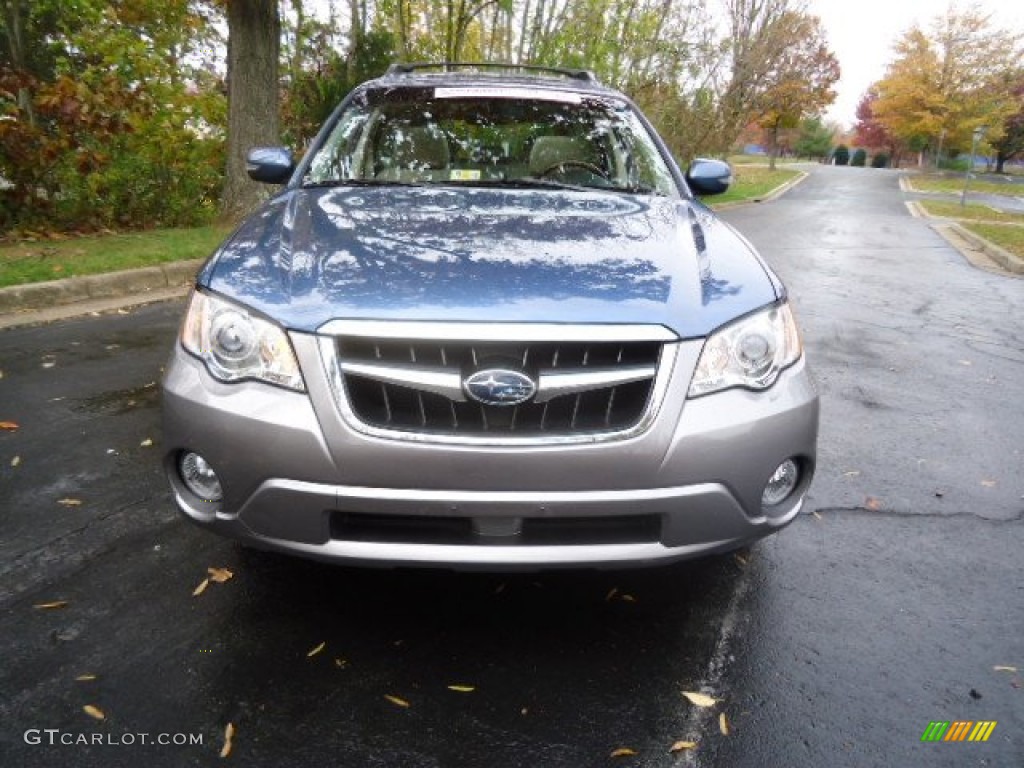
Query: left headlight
pixel 749 353
pixel 235 344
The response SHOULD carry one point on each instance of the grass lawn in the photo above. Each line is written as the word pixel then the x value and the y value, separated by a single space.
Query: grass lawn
pixel 1009 237
pixel 928 183
pixel 763 160
pixel 751 183
pixel 972 212
pixel 33 262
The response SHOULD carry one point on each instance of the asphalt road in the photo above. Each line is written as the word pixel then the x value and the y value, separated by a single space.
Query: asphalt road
pixel 888 605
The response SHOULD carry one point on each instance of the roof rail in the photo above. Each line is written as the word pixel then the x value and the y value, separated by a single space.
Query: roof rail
pixel 449 66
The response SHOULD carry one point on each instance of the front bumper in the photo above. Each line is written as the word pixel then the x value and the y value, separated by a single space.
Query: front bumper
pixel 289 464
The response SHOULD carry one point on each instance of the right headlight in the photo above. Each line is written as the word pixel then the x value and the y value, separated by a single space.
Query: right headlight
pixel 749 353
pixel 236 344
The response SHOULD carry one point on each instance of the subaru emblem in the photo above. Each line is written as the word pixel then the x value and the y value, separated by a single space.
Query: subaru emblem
pixel 499 386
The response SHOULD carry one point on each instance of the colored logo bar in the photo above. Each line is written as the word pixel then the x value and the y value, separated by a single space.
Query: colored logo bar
pixel 958 730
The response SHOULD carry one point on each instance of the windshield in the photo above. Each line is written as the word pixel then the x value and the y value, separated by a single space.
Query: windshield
pixel 490 137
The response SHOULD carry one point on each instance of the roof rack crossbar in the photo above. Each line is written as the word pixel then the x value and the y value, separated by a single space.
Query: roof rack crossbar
pixel 449 66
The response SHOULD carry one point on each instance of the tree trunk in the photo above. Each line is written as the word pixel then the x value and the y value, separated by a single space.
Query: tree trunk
pixel 254 39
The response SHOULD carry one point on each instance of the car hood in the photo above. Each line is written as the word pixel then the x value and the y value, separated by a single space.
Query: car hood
pixel 489 255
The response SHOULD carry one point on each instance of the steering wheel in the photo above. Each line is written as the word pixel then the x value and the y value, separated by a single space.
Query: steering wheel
pixel 562 165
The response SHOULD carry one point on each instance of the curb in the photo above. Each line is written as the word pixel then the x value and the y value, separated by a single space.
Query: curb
pixel 73 290
pixel 779 191
pixel 1008 261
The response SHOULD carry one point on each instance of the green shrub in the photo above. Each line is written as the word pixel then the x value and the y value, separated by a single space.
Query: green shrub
pixel 880 160
pixel 860 158
pixel 841 155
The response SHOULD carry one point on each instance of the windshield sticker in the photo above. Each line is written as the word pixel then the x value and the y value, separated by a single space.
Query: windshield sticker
pixel 536 94
pixel 463 174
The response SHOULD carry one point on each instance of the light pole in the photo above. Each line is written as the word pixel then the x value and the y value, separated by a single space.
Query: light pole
pixel 976 135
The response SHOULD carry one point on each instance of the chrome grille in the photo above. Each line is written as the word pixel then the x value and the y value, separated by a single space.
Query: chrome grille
pixel 405 385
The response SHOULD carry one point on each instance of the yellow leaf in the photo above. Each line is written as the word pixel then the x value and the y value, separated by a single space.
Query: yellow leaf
pixel 54 604
pixel 723 724
pixel 16 461
pixel 8 425
pixel 85 678
pixel 873 504
pixel 700 699
pixel 229 735
pixel 679 746
pixel 94 712
pixel 462 688
pixel 622 752
pixel 316 650
pixel 396 701
pixel 1002 668
pixel 201 588
pixel 70 502
pixel 146 443
pixel 220 575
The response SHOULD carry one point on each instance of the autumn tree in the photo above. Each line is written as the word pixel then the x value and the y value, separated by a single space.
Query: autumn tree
pixel 943 84
pixel 1011 144
pixel 870 132
pixel 800 79
pixel 254 39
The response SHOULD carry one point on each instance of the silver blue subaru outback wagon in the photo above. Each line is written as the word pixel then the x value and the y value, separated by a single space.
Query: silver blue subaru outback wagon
pixel 486 324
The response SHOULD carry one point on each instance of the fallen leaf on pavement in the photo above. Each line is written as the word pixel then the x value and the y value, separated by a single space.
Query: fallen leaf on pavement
pixel 16 461
pixel 623 752
pixel 9 425
pixel 700 699
pixel 54 604
pixel 989 483
pixel 723 724
pixel 201 588
pixel 679 746
pixel 852 473
pixel 396 701
pixel 220 575
pixel 146 443
pixel 85 678
pixel 1002 668
pixel 313 652
pixel 873 504
pixel 94 712
pixel 70 502
pixel 740 559
pixel 462 688
pixel 229 735
pixel 816 515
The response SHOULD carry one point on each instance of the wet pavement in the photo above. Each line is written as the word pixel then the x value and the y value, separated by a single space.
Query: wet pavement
pixel 888 605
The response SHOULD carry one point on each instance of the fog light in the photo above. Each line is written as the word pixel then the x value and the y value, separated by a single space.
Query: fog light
pixel 781 483
pixel 200 478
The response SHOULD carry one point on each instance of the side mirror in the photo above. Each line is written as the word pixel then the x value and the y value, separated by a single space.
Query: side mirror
pixel 272 165
pixel 709 177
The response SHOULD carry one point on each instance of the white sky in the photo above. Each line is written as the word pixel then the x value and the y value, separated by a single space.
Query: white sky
pixel 862 32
